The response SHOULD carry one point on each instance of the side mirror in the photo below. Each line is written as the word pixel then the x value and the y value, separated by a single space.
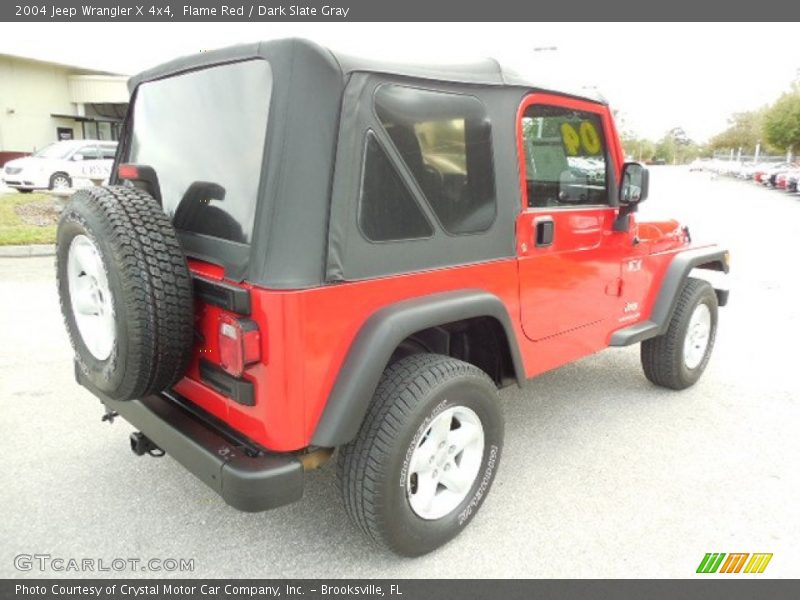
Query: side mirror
pixel 635 184
pixel 634 189
pixel 77 157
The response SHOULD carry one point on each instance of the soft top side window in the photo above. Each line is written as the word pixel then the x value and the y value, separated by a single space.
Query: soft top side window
pixel 445 142
pixel 387 210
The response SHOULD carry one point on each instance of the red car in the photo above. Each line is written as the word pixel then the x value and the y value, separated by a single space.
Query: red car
pixel 301 253
pixel 784 176
pixel 760 174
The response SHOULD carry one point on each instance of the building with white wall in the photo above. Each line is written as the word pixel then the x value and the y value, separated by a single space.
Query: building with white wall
pixel 42 102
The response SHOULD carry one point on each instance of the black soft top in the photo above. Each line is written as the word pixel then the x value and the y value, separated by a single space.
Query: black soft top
pixel 299 239
pixel 307 54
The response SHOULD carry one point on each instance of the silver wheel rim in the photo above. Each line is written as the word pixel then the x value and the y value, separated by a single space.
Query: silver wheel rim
pixel 445 463
pixel 697 336
pixel 60 182
pixel 90 297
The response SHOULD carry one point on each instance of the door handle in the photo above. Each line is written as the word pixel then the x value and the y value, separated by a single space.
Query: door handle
pixel 544 231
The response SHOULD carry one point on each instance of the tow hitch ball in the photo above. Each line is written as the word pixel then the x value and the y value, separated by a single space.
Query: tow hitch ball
pixel 141 445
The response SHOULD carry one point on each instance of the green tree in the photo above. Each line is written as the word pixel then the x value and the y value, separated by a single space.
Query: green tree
pixel 637 148
pixel 680 136
pixel 676 147
pixel 745 131
pixel 782 121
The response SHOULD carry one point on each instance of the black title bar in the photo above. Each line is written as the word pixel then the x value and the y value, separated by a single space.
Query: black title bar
pixel 710 588
pixel 405 10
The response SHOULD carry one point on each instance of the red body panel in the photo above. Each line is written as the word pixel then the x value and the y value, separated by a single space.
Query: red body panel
pixel 575 281
pixel 589 283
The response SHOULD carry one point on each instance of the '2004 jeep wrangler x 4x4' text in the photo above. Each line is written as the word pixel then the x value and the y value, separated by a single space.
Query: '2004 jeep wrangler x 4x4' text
pixel 302 252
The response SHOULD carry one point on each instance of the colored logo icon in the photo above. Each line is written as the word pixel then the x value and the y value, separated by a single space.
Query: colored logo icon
pixel 719 562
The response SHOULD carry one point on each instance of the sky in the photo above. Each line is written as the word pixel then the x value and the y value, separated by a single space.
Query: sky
pixel 657 75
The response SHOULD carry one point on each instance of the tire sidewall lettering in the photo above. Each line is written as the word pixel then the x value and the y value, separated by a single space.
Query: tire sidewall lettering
pixel 485 482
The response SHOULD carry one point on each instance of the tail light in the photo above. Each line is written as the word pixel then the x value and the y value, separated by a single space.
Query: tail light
pixel 126 171
pixel 142 177
pixel 239 344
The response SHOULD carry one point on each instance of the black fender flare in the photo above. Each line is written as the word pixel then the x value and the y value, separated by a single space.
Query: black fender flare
pixel 682 264
pixel 377 340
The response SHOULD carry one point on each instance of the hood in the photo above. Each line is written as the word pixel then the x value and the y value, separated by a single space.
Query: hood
pixel 27 162
pixel 662 236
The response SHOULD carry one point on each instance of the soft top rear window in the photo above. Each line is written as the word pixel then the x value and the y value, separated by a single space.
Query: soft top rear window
pixel 203 132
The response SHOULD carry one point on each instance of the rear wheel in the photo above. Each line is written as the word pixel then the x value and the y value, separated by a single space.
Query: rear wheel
pixel 678 358
pixel 426 454
pixel 125 292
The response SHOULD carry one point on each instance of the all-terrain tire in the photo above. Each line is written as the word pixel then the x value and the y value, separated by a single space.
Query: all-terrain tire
pixel 374 469
pixel 150 287
pixel 663 357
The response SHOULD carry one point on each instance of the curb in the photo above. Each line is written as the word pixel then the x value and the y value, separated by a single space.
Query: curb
pixel 27 251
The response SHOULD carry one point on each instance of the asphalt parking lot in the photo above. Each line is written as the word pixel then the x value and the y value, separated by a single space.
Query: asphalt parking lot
pixel 603 475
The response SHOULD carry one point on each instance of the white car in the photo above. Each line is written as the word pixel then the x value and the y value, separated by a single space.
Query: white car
pixel 698 164
pixel 61 165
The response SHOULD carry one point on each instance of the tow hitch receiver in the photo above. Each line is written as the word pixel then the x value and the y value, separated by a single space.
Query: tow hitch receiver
pixel 141 445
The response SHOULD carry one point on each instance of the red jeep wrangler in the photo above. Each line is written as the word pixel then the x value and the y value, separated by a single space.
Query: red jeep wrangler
pixel 301 251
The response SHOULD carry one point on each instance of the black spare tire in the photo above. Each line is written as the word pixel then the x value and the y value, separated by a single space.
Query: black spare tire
pixel 125 291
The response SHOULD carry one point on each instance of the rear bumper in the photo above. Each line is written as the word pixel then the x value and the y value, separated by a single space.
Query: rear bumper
pixel 246 482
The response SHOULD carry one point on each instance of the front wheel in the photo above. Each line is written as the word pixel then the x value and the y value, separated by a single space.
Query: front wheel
pixel 678 358
pixel 426 455
pixel 60 181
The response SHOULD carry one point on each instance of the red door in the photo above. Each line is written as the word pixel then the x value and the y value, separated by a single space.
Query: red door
pixel 569 255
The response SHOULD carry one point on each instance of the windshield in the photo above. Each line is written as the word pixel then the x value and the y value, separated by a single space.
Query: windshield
pixel 55 150
pixel 203 132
